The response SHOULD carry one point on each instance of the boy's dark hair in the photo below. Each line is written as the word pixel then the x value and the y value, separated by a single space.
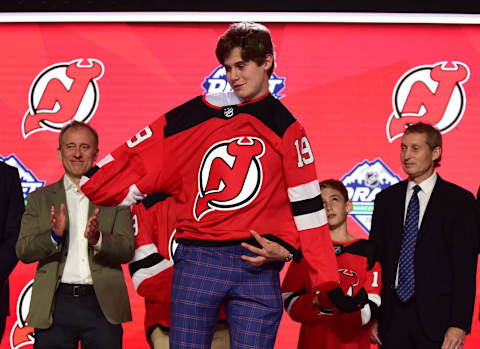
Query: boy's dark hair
pixel 253 39
pixel 434 137
pixel 77 124
pixel 337 185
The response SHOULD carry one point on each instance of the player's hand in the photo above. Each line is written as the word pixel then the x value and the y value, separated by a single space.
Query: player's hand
pixel 454 338
pixel 58 221
pixel 270 251
pixel 374 338
pixel 91 232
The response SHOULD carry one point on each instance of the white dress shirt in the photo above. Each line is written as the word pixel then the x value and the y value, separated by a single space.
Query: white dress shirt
pixel 426 188
pixel 77 267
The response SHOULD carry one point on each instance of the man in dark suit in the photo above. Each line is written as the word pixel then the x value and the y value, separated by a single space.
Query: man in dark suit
pixel 79 292
pixel 11 210
pixel 425 234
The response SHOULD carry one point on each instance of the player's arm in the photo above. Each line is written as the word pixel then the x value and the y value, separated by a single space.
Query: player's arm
pixel 299 303
pixel 130 172
pixel 373 286
pixel 307 208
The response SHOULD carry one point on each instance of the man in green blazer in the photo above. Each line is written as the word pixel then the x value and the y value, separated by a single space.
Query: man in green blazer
pixel 79 292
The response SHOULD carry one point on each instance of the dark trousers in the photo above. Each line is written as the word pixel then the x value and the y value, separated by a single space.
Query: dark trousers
pixel 405 330
pixel 78 318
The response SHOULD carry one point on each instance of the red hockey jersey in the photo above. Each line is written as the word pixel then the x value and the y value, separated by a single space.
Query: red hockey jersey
pixel 151 267
pixel 324 326
pixel 231 168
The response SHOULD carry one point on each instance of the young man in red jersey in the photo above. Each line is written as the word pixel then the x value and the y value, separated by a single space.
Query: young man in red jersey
pixel 236 163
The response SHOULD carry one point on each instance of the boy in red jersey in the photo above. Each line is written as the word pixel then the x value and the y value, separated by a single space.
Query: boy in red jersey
pixel 323 325
pixel 235 163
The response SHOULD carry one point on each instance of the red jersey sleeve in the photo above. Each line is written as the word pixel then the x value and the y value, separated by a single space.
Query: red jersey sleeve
pixel 151 271
pixel 307 208
pixel 298 300
pixel 131 171
pixel 373 283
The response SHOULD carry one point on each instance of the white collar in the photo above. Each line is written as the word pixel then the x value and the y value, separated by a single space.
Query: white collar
pixel 427 185
pixel 68 184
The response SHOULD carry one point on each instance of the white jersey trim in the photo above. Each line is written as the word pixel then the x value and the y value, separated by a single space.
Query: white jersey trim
pixel 134 195
pixel 285 295
pixel 304 191
pixel 105 160
pixel 143 252
pixel 145 273
pixel 366 312
pixel 311 220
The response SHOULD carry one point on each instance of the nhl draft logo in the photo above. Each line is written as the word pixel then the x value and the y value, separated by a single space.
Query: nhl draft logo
pixel 432 94
pixel 230 175
pixel 363 183
pixel 217 82
pixel 21 334
pixel 63 92
pixel 28 179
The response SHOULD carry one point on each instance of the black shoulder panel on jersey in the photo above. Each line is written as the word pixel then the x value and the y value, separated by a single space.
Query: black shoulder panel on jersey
pixel 271 112
pixel 362 248
pixel 151 200
pixel 188 115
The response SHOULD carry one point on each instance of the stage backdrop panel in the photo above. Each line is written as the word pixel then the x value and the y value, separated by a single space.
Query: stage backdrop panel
pixel 351 85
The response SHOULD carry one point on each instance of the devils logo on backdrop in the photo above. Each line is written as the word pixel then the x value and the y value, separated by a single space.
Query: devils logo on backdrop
pixel 22 335
pixel 60 93
pixel 230 175
pixel 432 94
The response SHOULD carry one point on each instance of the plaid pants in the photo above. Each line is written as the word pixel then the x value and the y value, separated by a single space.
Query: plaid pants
pixel 206 277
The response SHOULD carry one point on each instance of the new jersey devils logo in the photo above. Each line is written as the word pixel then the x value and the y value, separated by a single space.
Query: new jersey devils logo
pixel 21 334
pixel 230 175
pixel 61 93
pixel 348 280
pixel 432 94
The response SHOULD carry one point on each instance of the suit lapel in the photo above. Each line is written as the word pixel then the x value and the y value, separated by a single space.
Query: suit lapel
pixel 60 197
pixel 398 210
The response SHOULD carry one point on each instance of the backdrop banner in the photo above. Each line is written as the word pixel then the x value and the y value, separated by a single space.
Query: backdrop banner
pixel 353 86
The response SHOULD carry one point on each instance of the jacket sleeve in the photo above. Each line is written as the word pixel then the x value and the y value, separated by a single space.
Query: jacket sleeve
pixel 117 244
pixel 307 208
pixel 15 207
pixel 130 172
pixel 463 232
pixel 35 242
